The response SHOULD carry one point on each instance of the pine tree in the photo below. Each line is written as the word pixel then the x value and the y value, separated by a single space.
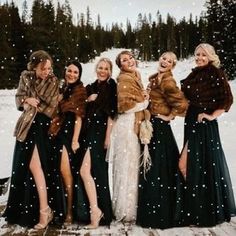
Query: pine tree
pixel 6 48
pixel 228 37
pixel 66 41
pixel 12 46
pixel 18 43
pixel 144 38
pixel 171 42
pixel 42 27
pixel 181 37
pixel 155 50
pixel 129 36
pixel 222 13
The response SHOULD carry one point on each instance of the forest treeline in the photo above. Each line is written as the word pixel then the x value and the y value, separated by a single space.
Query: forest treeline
pixel 54 29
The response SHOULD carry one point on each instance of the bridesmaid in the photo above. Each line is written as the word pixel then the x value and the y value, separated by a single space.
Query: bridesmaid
pixel 37 97
pixel 66 127
pixel 209 198
pixel 158 187
pixel 100 113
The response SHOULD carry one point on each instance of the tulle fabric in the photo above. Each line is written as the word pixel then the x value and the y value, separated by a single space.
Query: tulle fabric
pixel 208 197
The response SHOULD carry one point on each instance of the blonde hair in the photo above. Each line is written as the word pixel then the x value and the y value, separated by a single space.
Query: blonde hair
pixel 210 52
pixel 108 61
pixel 172 55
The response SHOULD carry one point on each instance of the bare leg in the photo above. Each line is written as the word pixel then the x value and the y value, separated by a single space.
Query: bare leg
pixel 39 178
pixel 89 184
pixel 183 161
pixel 68 181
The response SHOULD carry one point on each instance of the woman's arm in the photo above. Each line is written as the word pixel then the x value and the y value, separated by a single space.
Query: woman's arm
pixel 174 97
pixel 138 107
pixel 75 140
pixel 166 118
pixel 92 97
pixel 210 117
pixel 110 124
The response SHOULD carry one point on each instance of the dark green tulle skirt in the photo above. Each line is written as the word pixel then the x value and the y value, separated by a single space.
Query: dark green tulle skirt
pixel 23 203
pixel 64 138
pixel 160 189
pixel 208 197
pixel 92 138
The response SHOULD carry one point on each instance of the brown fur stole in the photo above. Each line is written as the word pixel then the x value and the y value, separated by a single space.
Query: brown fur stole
pixel 129 92
pixel 74 103
pixel 165 97
pixel 45 90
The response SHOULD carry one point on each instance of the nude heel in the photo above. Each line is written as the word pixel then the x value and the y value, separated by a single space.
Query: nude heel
pixel 49 213
pixel 94 224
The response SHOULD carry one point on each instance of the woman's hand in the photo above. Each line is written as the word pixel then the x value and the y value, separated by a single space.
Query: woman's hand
pixel 32 101
pixel 210 117
pixel 25 106
pixel 92 97
pixel 60 97
pixel 145 94
pixel 75 146
pixel 107 142
pixel 166 118
pixel 202 116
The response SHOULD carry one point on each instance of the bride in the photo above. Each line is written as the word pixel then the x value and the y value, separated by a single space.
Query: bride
pixel 125 150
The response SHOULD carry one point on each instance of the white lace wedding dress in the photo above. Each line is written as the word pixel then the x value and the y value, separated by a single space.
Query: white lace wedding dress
pixel 124 161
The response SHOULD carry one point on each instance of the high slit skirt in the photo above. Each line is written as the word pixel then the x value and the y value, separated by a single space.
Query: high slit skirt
pixel 208 197
pixel 23 203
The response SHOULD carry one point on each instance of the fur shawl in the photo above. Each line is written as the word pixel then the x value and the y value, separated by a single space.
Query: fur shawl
pixel 106 101
pixel 165 97
pixel 45 90
pixel 129 92
pixel 73 101
pixel 207 87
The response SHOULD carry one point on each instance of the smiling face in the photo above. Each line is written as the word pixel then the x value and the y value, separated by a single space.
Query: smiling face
pixel 103 70
pixel 127 62
pixel 72 74
pixel 166 62
pixel 201 57
pixel 43 69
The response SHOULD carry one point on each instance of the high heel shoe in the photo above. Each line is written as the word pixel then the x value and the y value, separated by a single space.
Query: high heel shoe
pixel 49 216
pixel 95 223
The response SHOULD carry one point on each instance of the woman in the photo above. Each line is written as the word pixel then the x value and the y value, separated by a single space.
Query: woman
pixel 66 127
pixel 209 196
pixel 37 97
pixel 158 187
pixel 100 112
pixel 124 153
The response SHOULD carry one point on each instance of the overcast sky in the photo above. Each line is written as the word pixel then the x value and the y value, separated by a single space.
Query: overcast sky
pixel 119 10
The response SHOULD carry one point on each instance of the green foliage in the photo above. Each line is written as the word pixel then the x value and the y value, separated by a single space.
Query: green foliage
pixel 54 31
pixel 221 32
pixel 11 44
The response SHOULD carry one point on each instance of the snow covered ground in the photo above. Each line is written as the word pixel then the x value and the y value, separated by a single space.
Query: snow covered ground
pixel 227 124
